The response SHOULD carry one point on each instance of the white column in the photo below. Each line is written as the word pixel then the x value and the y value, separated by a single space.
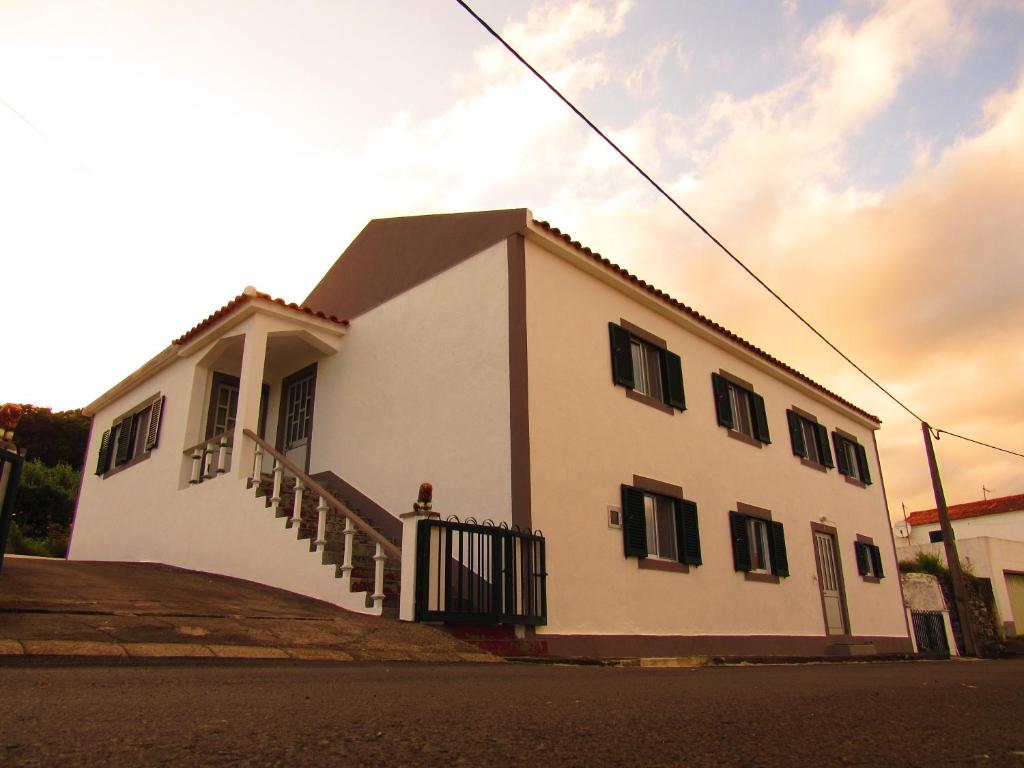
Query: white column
pixel 250 386
pixel 407 594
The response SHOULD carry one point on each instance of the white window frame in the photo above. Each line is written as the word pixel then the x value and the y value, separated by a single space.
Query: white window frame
pixel 647 373
pixel 651 502
pixel 757 532
pixel 742 409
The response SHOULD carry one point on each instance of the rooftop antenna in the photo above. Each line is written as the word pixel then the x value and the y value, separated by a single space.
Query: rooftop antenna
pixel 985 492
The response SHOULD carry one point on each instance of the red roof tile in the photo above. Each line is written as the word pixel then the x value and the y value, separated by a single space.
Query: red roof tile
pixel 240 300
pixel 970 509
pixel 701 318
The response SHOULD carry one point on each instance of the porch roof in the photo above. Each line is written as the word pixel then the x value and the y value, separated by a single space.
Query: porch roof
pixel 239 301
pixel 183 345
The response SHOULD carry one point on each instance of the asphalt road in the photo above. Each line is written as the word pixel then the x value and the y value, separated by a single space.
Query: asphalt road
pixel 878 714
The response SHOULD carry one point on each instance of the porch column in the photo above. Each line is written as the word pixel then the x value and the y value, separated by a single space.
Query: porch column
pixel 250 386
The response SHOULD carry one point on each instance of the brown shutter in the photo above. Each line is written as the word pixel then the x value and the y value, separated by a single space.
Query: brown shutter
pixel 622 356
pixel 687 532
pixel 723 408
pixel 634 524
pixel 103 460
pixel 740 541
pixel 841 463
pixel 862 462
pixel 124 441
pixel 760 418
pixel 153 433
pixel 672 375
pixel 876 561
pixel 821 438
pixel 796 434
pixel 777 548
pixel 861 551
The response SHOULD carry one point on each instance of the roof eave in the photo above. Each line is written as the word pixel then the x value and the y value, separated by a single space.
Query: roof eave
pixel 596 265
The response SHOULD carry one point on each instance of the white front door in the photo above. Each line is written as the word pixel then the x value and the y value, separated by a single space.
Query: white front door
pixel 828 579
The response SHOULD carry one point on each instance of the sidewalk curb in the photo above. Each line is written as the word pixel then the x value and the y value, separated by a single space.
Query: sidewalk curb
pixel 10 648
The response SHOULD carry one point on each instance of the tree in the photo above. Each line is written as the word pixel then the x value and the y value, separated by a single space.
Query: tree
pixel 53 438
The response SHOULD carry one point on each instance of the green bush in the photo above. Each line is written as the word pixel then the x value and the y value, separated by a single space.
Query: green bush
pixel 924 563
pixel 46 498
pixel 20 544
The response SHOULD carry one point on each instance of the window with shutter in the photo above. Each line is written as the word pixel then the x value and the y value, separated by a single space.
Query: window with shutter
pixel 649 372
pixel 740 410
pixel 758 546
pixel 131 437
pixel 809 439
pixel 658 526
pixel 851 458
pixel 869 559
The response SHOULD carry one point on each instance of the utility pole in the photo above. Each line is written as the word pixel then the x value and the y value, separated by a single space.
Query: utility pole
pixel 952 558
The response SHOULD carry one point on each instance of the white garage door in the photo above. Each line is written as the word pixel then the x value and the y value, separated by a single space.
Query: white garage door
pixel 1015 586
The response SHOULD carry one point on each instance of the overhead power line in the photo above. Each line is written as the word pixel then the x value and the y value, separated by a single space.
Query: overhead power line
pixel 680 208
pixel 675 203
pixel 978 442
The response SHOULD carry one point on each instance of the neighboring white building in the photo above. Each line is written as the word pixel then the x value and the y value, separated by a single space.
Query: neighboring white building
pixel 695 494
pixel 990 541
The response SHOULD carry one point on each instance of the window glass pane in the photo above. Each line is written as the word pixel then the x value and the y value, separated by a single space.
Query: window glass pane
pixel 758 544
pixel 810 440
pixel 653 372
pixel 851 459
pixel 740 401
pixel 652 528
pixel 666 528
pixel 140 427
pixel 639 367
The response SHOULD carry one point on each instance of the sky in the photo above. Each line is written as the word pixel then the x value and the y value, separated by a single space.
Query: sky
pixel 866 158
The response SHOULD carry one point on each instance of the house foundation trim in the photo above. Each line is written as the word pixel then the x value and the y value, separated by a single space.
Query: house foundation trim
pixel 624 646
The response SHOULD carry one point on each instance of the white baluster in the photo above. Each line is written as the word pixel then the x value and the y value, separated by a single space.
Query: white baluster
pixel 350 542
pixel 378 577
pixel 197 459
pixel 209 462
pixel 297 506
pixel 321 525
pixel 275 498
pixel 222 456
pixel 257 465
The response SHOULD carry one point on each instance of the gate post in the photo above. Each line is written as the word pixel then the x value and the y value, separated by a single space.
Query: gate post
pixel 421 510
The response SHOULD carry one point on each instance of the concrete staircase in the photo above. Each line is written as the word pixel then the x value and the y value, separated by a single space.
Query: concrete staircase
pixel 333 550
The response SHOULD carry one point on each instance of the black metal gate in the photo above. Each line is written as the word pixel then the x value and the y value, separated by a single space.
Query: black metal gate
pixel 479 573
pixel 930 632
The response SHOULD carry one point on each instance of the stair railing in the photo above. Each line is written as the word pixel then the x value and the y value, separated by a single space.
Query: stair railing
pixel 327 501
pixel 210 458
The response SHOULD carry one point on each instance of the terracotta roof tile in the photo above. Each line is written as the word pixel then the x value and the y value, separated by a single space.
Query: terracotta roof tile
pixel 970 509
pixel 240 300
pixel 701 318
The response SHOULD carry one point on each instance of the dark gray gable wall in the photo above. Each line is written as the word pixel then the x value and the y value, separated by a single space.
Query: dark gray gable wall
pixel 390 256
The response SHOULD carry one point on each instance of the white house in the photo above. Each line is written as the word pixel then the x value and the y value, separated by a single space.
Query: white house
pixel 989 535
pixel 658 485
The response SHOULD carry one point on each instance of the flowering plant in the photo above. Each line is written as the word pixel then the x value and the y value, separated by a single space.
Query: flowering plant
pixel 10 415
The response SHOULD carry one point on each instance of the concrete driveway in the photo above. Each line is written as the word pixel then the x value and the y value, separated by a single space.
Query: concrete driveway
pixel 57 607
